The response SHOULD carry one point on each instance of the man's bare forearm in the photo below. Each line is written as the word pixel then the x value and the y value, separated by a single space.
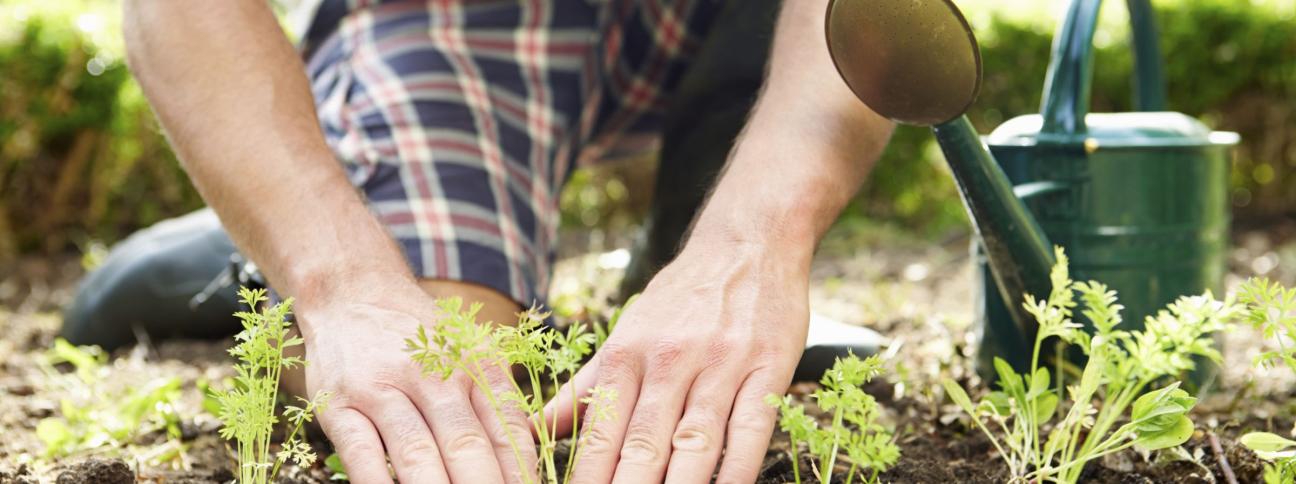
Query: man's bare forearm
pixel 232 96
pixel 804 153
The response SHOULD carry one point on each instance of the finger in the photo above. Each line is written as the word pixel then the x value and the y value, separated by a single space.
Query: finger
pixel 647 447
pixel 599 444
pixel 750 426
pixel 465 447
pixel 699 438
pixel 514 448
pixel 566 406
pixel 410 445
pixel 356 441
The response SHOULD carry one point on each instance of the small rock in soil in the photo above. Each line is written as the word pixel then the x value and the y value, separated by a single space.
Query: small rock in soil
pixel 21 475
pixel 97 471
pixel 18 388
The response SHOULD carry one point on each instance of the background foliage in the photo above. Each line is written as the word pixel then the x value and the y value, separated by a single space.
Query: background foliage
pixel 82 159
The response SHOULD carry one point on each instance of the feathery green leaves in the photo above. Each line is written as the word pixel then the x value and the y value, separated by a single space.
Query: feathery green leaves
pixel 854 430
pixel 247 410
pixel 457 343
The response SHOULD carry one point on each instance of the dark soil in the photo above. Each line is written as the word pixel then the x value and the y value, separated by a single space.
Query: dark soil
pixel 97 471
pixel 917 293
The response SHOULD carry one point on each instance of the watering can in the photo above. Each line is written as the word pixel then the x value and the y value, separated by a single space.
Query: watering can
pixel 1138 200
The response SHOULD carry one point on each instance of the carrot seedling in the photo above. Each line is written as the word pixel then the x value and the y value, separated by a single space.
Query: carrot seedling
pixel 854 430
pixel 1271 308
pixel 1121 366
pixel 458 344
pixel 247 411
pixel 102 418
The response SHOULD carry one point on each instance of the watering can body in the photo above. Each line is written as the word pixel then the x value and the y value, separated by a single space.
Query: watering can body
pixel 1139 200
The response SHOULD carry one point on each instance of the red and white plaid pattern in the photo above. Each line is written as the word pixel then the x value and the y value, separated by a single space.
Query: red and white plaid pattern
pixel 460 120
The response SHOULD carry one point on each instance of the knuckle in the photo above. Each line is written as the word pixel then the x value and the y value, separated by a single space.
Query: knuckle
pixel 511 430
pixel 350 441
pixel 385 376
pixel 666 354
pixel 378 391
pixel 416 450
pixel 467 443
pixel 697 434
pixel 640 449
pixel 719 350
pixel 596 439
pixel 615 356
pixel 754 422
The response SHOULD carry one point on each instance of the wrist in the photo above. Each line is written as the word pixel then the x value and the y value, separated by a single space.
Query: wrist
pixel 782 227
pixel 316 290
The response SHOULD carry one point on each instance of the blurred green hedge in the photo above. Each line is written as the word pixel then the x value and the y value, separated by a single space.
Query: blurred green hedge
pixel 81 157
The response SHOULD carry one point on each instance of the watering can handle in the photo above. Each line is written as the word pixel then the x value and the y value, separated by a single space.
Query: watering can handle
pixel 1067 89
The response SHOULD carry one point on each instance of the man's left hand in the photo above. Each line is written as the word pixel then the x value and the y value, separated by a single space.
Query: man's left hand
pixel 690 363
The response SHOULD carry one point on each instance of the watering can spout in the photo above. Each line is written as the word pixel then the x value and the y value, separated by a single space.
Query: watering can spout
pixel 930 80
pixel 1013 242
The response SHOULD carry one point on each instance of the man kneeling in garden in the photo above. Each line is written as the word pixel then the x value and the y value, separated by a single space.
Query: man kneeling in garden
pixel 418 154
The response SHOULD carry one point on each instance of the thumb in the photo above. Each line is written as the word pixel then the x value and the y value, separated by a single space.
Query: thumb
pixel 566 407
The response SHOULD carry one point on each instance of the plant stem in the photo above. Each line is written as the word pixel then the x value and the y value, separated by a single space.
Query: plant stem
pixel 796 461
pixel 575 447
pixel 827 470
pixel 495 408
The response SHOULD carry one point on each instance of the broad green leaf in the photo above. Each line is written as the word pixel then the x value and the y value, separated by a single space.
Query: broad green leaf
pixel 1171 436
pixel 998 402
pixel 1039 383
pixel 958 395
pixel 1266 442
pixel 1157 410
pixel 1009 380
pixel 1045 405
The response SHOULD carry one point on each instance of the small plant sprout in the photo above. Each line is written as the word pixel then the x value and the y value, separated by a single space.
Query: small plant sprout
pixel 547 358
pixel 247 411
pixel 1121 366
pixel 1271 308
pixel 101 418
pixel 854 429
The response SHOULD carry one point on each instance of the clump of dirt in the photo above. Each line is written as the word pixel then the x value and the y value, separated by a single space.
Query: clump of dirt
pixel 97 471
pixel 21 475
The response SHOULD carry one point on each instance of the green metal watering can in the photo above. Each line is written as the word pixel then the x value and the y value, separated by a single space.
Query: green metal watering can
pixel 1139 200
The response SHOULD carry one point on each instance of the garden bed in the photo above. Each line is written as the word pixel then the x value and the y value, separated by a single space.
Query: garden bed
pixel 918 294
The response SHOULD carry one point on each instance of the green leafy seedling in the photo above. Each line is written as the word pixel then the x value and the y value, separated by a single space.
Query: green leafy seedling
pixel 334 464
pixel 458 344
pixel 854 428
pixel 1271 308
pixel 103 419
pixel 248 410
pixel 1114 382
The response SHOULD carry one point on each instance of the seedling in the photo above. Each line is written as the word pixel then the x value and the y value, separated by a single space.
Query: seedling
pixel 1271 308
pixel 458 344
pixel 854 429
pixel 1120 368
pixel 247 411
pixel 104 419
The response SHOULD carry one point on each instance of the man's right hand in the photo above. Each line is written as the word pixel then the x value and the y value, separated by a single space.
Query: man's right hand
pixel 434 431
